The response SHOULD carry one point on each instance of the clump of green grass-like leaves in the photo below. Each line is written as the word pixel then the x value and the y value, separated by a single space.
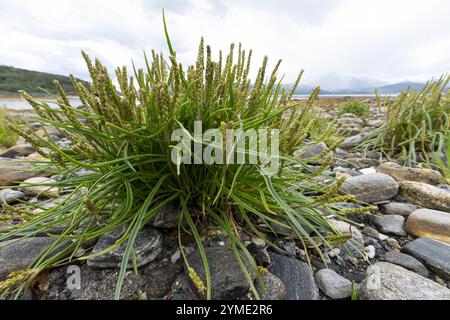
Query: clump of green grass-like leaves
pixel 417 124
pixel 124 141
pixel 356 107
pixel 8 137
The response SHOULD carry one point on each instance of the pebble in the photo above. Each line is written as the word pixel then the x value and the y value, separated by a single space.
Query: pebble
pixel 371 187
pixel 40 186
pixel 391 224
pixel 370 251
pixel 429 223
pixel 333 285
pixel 10 196
pixel 399 208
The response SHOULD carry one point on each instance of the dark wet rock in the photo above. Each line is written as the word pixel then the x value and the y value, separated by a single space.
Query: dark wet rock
pixel 429 223
pixel 387 281
pixel 15 256
pixel 167 217
pixel 371 187
pixel 147 247
pixel 296 276
pixel 20 150
pixel 10 196
pixel 434 254
pixel 274 288
pixel 152 282
pixel 392 224
pixel 401 173
pixel 407 262
pixel 228 281
pixel 425 195
pixel 182 289
pixel 399 208
pixel 333 285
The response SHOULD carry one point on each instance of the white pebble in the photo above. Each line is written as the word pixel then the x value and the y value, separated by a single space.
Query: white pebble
pixel 371 251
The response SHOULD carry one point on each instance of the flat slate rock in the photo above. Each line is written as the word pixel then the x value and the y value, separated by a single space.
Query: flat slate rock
pixel 148 246
pixel 296 276
pixel 434 254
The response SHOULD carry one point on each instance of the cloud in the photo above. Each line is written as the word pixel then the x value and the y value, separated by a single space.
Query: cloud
pixel 389 40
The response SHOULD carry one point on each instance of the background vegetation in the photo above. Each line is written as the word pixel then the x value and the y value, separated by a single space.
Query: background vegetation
pixel 13 79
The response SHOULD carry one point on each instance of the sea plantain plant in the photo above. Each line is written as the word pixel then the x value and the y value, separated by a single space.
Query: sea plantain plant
pixel 121 138
pixel 417 124
pixel 356 107
pixel 8 137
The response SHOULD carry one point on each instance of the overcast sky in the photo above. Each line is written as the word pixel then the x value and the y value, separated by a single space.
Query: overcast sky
pixel 390 40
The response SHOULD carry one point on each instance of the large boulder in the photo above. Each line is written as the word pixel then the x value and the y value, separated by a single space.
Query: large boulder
pixel 425 195
pixel 371 187
pixel 387 281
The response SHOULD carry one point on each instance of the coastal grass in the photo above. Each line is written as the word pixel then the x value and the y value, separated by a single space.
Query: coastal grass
pixel 443 164
pixel 121 137
pixel 417 124
pixel 8 137
pixel 356 107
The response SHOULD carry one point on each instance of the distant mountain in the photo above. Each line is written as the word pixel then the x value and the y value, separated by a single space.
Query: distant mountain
pixel 14 79
pixel 398 87
pixel 334 82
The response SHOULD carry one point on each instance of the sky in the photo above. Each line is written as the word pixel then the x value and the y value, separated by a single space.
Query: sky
pixel 389 40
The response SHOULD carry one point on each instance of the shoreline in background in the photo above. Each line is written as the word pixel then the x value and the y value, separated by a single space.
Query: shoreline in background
pixel 15 103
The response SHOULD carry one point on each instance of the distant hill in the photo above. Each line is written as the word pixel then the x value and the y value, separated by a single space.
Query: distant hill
pixel 334 82
pixel 398 87
pixel 13 79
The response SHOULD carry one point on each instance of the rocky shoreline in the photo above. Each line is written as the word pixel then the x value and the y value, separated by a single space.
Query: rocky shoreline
pixel 399 251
